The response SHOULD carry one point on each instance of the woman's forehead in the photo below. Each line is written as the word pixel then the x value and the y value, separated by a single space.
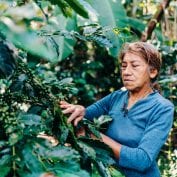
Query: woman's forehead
pixel 133 57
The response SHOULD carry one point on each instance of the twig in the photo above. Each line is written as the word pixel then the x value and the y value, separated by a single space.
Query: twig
pixel 155 19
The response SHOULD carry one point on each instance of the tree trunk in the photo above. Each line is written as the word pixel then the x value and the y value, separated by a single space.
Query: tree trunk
pixel 155 19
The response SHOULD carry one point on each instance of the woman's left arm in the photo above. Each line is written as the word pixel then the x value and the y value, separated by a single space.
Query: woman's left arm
pixel 154 137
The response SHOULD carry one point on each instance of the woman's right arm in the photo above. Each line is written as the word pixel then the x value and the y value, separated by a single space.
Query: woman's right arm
pixel 77 112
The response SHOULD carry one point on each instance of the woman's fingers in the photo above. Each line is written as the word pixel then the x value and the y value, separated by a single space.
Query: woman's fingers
pixel 64 104
pixel 77 112
pixel 68 110
pixel 76 121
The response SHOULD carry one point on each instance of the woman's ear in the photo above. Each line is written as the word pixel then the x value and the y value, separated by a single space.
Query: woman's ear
pixel 153 72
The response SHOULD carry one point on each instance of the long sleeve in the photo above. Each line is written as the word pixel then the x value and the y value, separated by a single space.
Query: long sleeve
pixel 155 135
pixel 99 108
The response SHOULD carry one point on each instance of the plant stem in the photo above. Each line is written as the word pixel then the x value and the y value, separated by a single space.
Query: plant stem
pixel 13 165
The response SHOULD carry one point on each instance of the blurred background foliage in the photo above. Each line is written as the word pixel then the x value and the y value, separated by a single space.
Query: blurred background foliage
pixel 79 41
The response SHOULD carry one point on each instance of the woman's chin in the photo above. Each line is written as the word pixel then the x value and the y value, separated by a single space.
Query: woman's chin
pixel 129 87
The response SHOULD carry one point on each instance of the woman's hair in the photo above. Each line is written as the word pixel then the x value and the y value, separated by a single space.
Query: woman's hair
pixel 148 52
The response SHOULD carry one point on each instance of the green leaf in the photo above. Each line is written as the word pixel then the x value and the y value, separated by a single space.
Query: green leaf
pixel 103 152
pixel 5 151
pixel 78 7
pixel 18 84
pixel 136 24
pixel 169 79
pixel 70 169
pixel 89 150
pixel 67 174
pixel 35 109
pixel 159 35
pixel 104 156
pixel 27 11
pixel 112 14
pixel 15 137
pixel 64 134
pixel 62 153
pixel 66 81
pixel 95 172
pixel 4 171
pixel 74 4
pixel 94 130
pixel 140 26
pixel 2 143
pixel 65 43
pixel 31 161
pixel 7 61
pixel 115 172
pixel 4 160
pixel 102 169
pixel 30 119
pixel 101 40
pixel 104 119
pixel 28 40
pixel 88 7
pixel 29 174
pixel 65 8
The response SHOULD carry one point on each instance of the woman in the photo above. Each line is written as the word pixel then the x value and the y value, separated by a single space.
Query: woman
pixel 142 118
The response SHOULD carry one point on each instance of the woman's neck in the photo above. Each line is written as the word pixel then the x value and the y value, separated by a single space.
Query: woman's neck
pixel 137 95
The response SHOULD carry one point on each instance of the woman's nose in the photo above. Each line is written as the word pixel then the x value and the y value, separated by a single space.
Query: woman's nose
pixel 127 70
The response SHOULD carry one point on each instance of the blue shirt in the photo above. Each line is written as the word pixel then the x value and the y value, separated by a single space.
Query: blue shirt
pixel 142 130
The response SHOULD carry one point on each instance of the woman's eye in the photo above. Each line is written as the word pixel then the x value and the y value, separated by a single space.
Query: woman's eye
pixel 134 66
pixel 123 66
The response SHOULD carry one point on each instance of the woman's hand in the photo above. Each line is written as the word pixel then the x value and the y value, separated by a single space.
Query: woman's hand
pixel 76 112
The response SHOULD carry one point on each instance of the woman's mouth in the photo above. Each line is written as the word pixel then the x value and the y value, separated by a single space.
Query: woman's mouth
pixel 128 80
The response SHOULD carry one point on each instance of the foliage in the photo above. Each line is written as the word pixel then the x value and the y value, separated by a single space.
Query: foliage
pixel 63 42
pixel 167 163
pixel 167 160
pixel 29 108
pixel 86 68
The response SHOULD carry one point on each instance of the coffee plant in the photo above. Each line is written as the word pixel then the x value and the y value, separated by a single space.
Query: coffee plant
pixel 35 138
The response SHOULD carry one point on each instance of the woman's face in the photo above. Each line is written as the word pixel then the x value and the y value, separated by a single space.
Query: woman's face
pixel 136 73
